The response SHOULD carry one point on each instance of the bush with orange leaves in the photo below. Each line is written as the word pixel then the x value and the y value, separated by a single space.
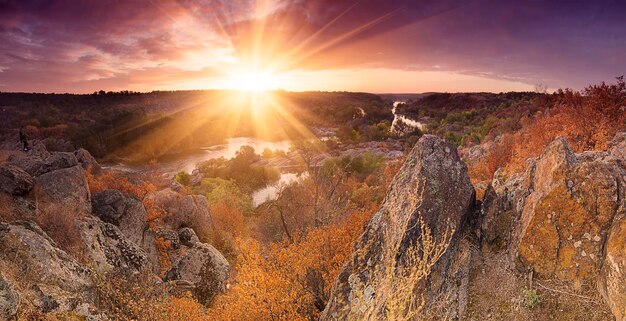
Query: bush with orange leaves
pixel 229 224
pixel 587 119
pixel 112 180
pixel 138 298
pixel 288 281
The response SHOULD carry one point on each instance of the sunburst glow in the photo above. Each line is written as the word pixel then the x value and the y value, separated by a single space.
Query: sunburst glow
pixel 253 81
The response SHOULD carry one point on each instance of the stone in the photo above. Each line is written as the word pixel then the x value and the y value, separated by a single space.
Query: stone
pixel 563 217
pixel 64 190
pixel 123 211
pixel 14 180
pixel 24 244
pixel 433 188
pixel 203 269
pixel 196 177
pixel 187 237
pixel 37 165
pixel 183 210
pixel 110 250
pixel 85 159
pixel 583 194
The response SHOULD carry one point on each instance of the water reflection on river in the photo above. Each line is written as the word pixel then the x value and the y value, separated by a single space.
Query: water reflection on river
pixel 403 118
pixel 188 162
pixel 270 192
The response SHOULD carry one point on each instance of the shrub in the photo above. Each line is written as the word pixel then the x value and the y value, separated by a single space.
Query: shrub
pixel 139 298
pixel 183 178
pixel 531 298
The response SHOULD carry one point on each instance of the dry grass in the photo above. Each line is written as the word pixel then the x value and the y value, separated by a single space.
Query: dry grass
pixel 399 277
pixel 498 291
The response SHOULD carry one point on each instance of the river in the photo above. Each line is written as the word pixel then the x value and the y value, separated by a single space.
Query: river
pixel 187 162
pixel 404 119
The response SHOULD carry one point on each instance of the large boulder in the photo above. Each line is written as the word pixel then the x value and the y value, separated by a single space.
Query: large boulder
pixel 85 159
pixel 110 250
pixel 565 220
pixel 563 217
pixel 431 191
pixel 65 190
pixel 25 248
pixel 123 211
pixel 14 180
pixel 502 207
pixel 183 210
pixel 36 165
pixel 201 268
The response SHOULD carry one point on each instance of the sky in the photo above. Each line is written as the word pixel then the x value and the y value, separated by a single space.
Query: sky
pixel 380 46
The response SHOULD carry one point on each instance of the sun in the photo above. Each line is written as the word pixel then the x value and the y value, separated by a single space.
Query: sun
pixel 253 81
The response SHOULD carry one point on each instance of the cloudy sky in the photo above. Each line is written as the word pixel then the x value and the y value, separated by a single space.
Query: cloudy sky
pixel 368 45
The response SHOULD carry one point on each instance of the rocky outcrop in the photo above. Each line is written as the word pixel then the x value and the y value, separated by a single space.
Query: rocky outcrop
pixel 563 217
pixel 85 159
pixel 110 250
pixel 38 165
pixel 25 247
pixel 196 177
pixel 182 210
pixel 502 204
pixel 557 215
pixel 123 211
pixel 202 269
pixel 14 180
pixel 65 190
pixel 187 237
pixel 431 188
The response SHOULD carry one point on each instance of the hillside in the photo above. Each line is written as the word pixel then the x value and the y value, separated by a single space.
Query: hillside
pixel 524 223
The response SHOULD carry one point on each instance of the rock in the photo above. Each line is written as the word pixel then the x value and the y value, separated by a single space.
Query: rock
pixel 177 187
pixel 123 211
pixel 154 253
pixel 64 190
pixel 183 210
pixel 9 299
pixel 110 250
pixel 187 237
pixel 38 165
pixel 432 186
pixel 85 159
pixel 612 279
pixel 14 180
pixel 502 206
pixel 572 196
pixel 203 269
pixel 24 245
pixel 51 298
pixel 564 217
pixel 196 177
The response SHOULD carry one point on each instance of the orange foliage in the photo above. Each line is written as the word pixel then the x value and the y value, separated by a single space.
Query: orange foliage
pixel 275 283
pixel 137 298
pixel 228 225
pixel 588 120
pixel 112 180
pixel 163 246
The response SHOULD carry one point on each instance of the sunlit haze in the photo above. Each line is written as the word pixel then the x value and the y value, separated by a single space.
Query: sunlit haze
pixel 373 46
